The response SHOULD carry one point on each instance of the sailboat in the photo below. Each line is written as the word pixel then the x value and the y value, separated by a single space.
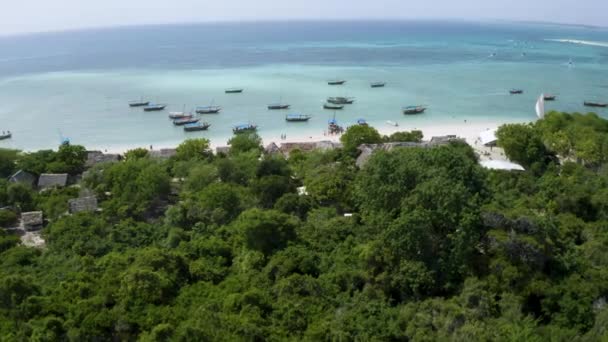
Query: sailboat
pixel 279 105
pixel 211 109
pixel 540 106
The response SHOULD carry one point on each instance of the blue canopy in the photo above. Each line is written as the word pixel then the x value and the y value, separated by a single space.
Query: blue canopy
pixel 361 121
pixel 332 122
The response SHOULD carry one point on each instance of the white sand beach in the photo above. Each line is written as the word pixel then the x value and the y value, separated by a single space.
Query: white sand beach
pixel 468 130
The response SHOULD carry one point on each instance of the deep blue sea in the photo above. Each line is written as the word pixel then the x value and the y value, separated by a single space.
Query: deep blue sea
pixel 77 84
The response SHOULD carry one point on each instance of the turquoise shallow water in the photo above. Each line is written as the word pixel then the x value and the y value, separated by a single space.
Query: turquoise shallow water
pixel 81 90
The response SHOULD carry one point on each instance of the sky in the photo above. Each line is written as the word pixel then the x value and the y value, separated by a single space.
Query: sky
pixel 24 16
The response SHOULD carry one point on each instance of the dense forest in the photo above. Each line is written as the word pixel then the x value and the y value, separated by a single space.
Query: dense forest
pixel 420 244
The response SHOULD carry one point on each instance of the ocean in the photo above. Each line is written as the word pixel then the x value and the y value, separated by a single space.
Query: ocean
pixel 78 84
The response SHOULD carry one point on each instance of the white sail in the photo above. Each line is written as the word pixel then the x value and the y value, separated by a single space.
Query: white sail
pixel 540 106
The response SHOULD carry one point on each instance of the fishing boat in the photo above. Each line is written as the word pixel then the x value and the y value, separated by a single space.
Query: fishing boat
pixel 208 110
pixel 362 122
pixel 549 97
pixel 341 100
pixel 414 109
pixel 138 103
pixel 336 82
pixel 275 106
pixel 182 122
pixel 197 126
pixel 377 84
pixel 154 107
pixel 244 128
pixel 516 91
pixel 6 135
pixel 595 104
pixel 297 117
pixel 234 91
pixel 333 106
pixel 179 115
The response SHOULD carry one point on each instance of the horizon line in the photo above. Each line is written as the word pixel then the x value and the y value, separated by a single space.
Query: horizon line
pixel 295 20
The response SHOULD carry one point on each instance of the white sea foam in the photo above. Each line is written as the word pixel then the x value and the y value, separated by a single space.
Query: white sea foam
pixel 580 42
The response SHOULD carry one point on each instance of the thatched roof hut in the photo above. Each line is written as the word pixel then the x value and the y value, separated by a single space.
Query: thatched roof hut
pixel 272 148
pixel 83 204
pixel 368 149
pixel 23 177
pixel 288 147
pixel 163 153
pixel 52 180
pixel 98 157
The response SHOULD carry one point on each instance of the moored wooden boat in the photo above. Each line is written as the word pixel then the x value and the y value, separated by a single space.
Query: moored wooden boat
pixel 414 109
pixel 595 104
pixel 154 107
pixel 377 84
pixel 341 100
pixel 138 103
pixel 182 122
pixel 208 110
pixel 333 106
pixel 549 97
pixel 6 135
pixel 244 128
pixel 336 82
pixel 179 115
pixel 278 106
pixel 297 117
pixel 234 91
pixel 516 91
pixel 197 126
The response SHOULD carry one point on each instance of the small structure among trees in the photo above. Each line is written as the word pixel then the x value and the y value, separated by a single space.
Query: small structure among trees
pixel 82 204
pixel 52 180
pixel 98 157
pixel 23 177
pixel 31 221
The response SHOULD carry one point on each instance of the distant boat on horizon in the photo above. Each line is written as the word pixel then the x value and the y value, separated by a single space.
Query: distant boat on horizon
pixel 549 97
pixel 208 110
pixel 179 115
pixel 297 117
pixel 244 128
pixel 277 106
pixel 595 104
pixel 154 107
pixel 139 103
pixel 234 91
pixel 414 109
pixel 516 91
pixel 194 127
pixel 6 135
pixel 339 100
pixel 333 106
pixel 182 122
pixel 377 84
pixel 336 82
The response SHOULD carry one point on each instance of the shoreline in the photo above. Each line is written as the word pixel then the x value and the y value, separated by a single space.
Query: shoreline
pixel 469 131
